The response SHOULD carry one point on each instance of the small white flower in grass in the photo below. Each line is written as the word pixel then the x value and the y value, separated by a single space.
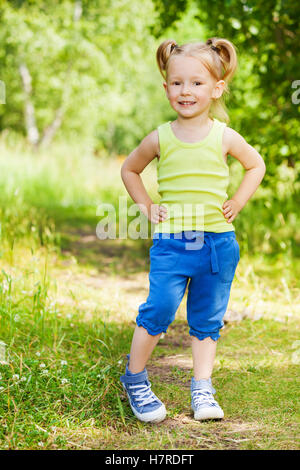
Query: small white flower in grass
pixel 45 372
pixel 38 353
pixel 64 381
pixel 23 379
pixel 63 363
pixel 42 365
pixel 41 444
pixel 1 388
pixel 15 377
pixel 17 317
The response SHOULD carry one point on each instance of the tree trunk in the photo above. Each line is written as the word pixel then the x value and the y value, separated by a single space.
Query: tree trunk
pixel 31 128
pixel 30 123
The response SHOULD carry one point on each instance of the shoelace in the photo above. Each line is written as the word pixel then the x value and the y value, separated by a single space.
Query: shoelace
pixel 203 397
pixel 143 394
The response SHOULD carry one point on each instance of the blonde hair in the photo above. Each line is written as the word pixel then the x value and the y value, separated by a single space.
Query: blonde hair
pixel 218 55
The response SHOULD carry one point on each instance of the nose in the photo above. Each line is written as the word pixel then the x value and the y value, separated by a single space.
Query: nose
pixel 185 89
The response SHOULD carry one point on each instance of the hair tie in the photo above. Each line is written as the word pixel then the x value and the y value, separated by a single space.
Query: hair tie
pixel 214 48
pixel 173 47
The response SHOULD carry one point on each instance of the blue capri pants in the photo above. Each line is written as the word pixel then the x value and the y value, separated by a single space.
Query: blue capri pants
pixel 207 262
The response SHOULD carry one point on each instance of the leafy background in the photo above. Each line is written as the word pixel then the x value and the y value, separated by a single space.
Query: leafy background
pixel 94 81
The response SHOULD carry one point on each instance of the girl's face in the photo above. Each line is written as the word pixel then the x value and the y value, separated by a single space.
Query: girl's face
pixel 190 87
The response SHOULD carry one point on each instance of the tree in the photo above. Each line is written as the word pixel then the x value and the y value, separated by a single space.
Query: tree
pixel 266 31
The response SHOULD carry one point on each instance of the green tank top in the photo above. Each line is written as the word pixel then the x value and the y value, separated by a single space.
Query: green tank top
pixel 192 181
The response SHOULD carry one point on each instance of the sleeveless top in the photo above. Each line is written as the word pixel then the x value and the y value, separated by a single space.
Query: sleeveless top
pixel 192 181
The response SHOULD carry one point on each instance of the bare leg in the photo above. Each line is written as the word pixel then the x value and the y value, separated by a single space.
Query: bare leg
pixel 203 357
pixel 141 348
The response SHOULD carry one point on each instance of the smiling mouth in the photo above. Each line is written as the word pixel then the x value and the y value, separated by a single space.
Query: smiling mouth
pixel 186 103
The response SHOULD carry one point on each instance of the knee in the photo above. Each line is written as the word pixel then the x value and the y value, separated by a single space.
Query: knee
pixel 158 315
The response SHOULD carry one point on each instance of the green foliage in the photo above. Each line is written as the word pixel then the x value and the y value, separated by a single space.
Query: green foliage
pixel 263 104
pixel 101 70
pixel 264 32
pixel 90 67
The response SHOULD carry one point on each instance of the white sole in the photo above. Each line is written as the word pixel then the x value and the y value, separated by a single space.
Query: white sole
pixel 208 413
pixel 154 416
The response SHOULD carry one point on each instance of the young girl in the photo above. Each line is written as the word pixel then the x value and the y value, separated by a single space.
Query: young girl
pixel 201 249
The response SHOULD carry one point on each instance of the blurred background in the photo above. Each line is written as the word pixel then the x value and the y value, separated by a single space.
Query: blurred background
pixel 79 90
pixel 83 89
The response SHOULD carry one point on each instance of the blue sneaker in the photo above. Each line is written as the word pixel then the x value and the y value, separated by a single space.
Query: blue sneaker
pixel 203 403
pixel 144 403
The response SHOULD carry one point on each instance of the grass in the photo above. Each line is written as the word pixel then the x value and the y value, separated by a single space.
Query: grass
pixel 68 303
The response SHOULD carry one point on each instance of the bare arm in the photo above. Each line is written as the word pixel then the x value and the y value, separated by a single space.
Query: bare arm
pixel 255 168
pixel 134 164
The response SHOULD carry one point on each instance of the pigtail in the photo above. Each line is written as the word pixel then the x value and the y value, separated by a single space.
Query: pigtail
pixel 227 54
pixel 224 54
pixel 163 53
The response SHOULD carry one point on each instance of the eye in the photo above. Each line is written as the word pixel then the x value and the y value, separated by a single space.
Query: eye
pixel 175 83
pixel 198 83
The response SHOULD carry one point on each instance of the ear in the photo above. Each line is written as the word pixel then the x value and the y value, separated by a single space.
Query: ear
pixel 166 89
pixel 218 90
